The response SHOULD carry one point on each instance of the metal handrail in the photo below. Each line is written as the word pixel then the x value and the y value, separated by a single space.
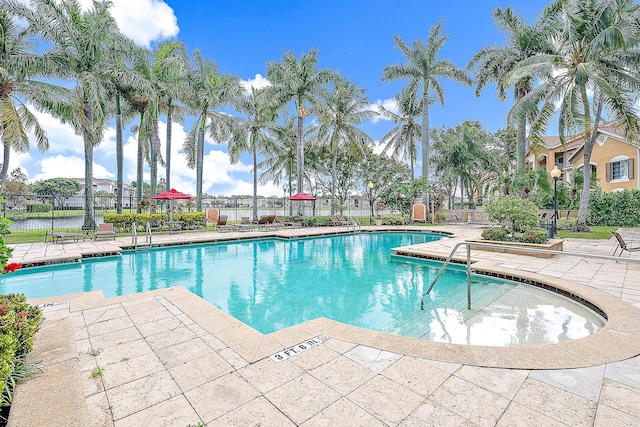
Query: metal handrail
pixel 148 234
pixel 355 223
pixel 134 235
pixel 498 246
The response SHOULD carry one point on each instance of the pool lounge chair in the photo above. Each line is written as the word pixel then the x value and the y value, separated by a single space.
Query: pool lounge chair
pixel 348 221
pixel 335 221
pixel 246 224
pixel 212 217
pixel 266 223
pixel 285 223
pixel 221 224
pixel 623 245
pixel 105 230
pixel 62 236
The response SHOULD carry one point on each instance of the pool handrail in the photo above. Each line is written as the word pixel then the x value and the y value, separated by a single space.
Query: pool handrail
pixel 498 246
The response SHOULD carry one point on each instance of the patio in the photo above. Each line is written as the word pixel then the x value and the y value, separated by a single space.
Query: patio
pixel 170 358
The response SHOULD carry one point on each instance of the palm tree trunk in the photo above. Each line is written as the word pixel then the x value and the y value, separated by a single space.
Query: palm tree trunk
pixel 589 141
pixel 300 154
pixel 425 141
pixel 153 154
pixel 89 222
pixel 199 166
pixel 5 165
pixel 334 164
pixel 119 157
pixel 167 156
pixel 521 147
pixel 255 183
pixel 140 166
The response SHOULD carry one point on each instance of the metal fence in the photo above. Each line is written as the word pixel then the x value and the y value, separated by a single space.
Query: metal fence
pixel 54 212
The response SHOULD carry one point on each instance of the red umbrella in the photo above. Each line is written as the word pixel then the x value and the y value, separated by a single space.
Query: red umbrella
pixel 171 195
pixel 302 196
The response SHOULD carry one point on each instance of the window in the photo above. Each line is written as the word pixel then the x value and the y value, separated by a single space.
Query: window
pixel 620 169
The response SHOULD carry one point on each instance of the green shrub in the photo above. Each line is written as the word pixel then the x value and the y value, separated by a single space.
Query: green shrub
pixel 621 208
pixel 395 219
pixel 190 220
pixel 535 235
pixel 441 217
pixel 519 214
pixel 317 221
pixel 38 207
pixel 499 234
pixel 122 222
pixel 566 223
pixel 19 322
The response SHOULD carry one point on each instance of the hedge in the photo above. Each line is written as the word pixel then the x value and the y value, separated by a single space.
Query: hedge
pixel 122 222
pixel 19 322
pixel 621 208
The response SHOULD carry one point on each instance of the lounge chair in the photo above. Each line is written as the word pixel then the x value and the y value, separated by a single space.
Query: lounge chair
pixel 335 221
pixel 285 223
pixel 222 225
pixel 300 221
pixel 212 217
pixel 246 224
pixel 347 221
pixel 265 223
pixel 61 236
pixel 105 230
pixel 623 245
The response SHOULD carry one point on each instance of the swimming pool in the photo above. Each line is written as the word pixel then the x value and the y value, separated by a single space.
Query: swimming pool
pixel 271 284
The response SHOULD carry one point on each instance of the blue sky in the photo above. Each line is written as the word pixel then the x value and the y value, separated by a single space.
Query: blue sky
pixel 354 37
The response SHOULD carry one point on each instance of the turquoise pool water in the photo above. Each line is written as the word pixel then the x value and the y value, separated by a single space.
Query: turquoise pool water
pixel 271 284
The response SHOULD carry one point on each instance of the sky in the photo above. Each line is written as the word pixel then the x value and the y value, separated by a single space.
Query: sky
pixel 354 37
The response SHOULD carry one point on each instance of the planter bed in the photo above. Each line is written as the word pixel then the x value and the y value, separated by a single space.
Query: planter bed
pixel 551 245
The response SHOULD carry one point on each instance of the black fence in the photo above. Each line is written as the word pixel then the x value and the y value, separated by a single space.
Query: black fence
pixel 55 212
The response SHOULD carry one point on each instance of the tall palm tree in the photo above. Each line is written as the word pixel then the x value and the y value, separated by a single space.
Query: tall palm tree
pixel 300 82
pixel 424 70
pixel 340 112
pixel 84 43
pixel 279 157
pixel 210 92
pixel 594 71
pixel 17 57
pixel 169 72
pixel 260 117
pixel 401 141
pixel 493 63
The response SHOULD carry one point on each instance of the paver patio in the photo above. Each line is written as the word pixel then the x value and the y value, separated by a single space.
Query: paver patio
pixel 168 357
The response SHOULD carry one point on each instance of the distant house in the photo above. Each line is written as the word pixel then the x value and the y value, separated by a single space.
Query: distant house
pixel 614 160
pixel 110 186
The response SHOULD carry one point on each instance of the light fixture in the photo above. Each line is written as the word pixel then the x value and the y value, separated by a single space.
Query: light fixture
pixel 370 187
pixel 555 174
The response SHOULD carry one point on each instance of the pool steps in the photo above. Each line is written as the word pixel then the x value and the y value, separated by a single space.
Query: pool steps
pixel 417 323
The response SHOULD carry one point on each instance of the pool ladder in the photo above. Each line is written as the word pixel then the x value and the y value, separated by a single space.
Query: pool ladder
pixel 469 245
pixel 134 235
pixel 354 223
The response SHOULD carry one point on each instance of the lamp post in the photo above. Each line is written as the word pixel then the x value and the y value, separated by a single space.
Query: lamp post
pixel 555 174
pixel 370 187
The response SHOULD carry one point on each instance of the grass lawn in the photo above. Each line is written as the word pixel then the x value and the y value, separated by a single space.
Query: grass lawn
pixel 599 232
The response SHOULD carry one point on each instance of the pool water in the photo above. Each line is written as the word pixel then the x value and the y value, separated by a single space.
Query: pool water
pixel 271 284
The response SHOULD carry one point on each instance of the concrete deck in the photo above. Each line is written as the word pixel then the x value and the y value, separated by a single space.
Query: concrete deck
pixel 169 358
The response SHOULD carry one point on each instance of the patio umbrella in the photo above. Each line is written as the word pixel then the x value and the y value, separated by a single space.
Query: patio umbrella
pixel 172 195
pixel 302 196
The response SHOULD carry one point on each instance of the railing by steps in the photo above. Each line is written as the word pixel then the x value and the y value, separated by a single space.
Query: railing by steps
pixel 497 246
pixel 134 235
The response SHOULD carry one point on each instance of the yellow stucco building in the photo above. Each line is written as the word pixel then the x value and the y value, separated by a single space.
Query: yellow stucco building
pixel 614 160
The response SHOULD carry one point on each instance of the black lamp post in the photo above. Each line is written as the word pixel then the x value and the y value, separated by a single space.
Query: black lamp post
pixel 370 187
pixel 555 174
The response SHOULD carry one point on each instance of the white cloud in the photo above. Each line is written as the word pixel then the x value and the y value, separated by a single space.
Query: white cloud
pixel 257 82
pixel 389 104
pixel 143 20
pixel 62 137
pixel 61 166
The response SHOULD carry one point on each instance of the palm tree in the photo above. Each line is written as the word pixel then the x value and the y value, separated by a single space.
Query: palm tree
pixel 339 114
pixel 210 91
pixel 256 138
pixel 594 69
pixel 493 63
pixel 17 57
pixel 279 157
pixel 302 83
pixel 86 44
pixel 424 70
pixel 402 139
pixel 169 71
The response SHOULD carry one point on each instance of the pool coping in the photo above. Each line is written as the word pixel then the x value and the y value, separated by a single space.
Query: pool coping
pixel 617 340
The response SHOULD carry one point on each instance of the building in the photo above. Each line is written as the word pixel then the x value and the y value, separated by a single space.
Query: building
pixel 110 186
pixel 614 160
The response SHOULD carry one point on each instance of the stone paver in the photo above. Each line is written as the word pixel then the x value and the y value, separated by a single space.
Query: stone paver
pixel 162 366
